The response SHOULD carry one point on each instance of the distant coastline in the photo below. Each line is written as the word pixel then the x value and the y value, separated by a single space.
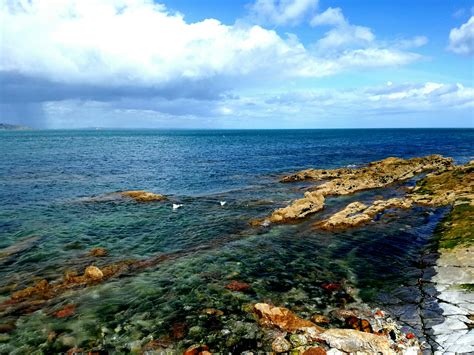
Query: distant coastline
pixel 13 127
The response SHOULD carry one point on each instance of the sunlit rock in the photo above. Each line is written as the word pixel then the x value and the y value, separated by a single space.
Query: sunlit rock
pixel 93 273
pixel 312 202
pixel 282 318
pixel 352 341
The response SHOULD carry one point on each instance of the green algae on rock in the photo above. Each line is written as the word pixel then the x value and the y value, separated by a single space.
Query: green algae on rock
pixel 457 228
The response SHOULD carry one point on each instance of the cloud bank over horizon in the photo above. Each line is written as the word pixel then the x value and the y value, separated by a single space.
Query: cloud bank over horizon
pixel 137 63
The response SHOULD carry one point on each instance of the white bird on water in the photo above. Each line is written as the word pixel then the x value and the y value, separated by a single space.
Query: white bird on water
pixel 223 203
pixel 176 206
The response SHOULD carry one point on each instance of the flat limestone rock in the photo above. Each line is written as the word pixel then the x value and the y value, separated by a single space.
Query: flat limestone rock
pixel 352 341
pixel 312 202
pixel 357 213
pixel 346 181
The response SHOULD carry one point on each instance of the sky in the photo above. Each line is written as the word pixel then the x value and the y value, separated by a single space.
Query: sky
pixel 237 64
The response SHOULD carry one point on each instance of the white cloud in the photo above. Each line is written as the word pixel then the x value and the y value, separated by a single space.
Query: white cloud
pixel 281 12
pixel 330 17
pixel 343 35
pixel 353 45
pixel 461 40
pixel 415 42
pixel 137 42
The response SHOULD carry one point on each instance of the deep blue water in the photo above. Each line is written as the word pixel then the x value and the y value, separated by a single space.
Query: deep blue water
pixel 46 178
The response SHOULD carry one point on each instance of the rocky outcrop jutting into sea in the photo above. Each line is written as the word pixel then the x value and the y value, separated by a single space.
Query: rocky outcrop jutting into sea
pixel 448 327
pixel 337 182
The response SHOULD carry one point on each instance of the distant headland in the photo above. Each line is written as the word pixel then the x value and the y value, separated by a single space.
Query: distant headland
pixel 13 127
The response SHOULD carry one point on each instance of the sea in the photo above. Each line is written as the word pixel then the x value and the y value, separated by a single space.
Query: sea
pixel 51 182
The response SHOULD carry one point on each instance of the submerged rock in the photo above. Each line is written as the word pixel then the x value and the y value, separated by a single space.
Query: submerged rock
pixel 237 286
pixel 320 319
pixel 136 195
pixel 18 247
pixel 197 349
pixel 142 196
pixel 98 252
pixel 281 345
pixel 212 312
pixel 65 312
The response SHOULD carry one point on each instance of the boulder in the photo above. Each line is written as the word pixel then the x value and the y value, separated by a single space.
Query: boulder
pixel 98 252
pixel 93 273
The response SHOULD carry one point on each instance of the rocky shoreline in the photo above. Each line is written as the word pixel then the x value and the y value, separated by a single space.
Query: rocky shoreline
pixel 444 308
pixel 446 313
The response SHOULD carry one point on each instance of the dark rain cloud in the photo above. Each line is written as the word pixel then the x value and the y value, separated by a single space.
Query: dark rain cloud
pixel 19 88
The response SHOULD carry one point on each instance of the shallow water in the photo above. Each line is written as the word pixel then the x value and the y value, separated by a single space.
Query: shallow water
pixel 48 177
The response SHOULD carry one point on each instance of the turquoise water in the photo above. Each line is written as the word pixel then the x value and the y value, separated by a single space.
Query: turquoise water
pixel 48 177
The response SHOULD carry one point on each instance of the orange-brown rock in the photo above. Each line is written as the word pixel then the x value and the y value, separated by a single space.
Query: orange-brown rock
pixel 142 196
pixel 98 252
pixel 93 273
pixel 197 349
pixel 67 311
pixel 315 351
pixel 42 288
pixel 282 318
pixel 212 312
pixel 237 286
pixel 179 330
pixel 362 325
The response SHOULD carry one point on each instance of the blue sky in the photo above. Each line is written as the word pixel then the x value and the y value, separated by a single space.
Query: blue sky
pixel 237 64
